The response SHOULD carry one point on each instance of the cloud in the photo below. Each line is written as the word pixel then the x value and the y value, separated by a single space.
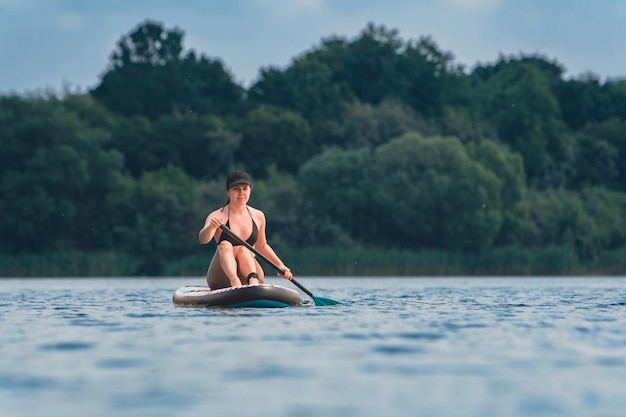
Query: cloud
pixel 70 21
pixel 474 4
pixel 291 8
pixel 10 3
pixel 17 6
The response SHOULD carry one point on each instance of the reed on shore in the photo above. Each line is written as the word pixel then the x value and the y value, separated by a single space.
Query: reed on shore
pixel 353 261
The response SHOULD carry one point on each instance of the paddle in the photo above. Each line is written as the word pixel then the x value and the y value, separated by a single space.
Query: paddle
pixel 319 301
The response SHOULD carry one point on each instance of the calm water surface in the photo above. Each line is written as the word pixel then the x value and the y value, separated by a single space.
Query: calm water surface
pixel 396 347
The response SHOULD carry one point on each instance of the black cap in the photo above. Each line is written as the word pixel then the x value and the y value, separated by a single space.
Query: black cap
pixel 238 177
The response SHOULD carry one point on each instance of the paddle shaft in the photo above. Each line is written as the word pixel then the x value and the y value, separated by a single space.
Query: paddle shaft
pixel 239 240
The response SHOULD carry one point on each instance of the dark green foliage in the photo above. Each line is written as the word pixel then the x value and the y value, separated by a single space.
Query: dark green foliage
pixel 154 218
pixel 589 221
pixel 55 174
pixel 70 264
pixel 602 155
pixel 386 194
pixel 371 125
pixel 150 77
pixel 273 135
pixel 307 87
pixel 519 100
pixel 582 102
pixel 372 144
pixel 202 146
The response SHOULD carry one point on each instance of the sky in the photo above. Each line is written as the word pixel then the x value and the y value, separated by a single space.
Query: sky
pixel 52 45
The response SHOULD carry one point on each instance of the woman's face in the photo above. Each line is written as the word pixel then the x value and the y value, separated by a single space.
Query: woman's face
pixel 239 193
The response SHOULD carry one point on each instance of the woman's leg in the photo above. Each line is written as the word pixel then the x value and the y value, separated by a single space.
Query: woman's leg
pixel 215 276
pixel 228 262
pixel 259 271
pixel 246 264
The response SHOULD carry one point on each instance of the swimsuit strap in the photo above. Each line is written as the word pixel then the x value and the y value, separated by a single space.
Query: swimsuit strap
pixel 254 234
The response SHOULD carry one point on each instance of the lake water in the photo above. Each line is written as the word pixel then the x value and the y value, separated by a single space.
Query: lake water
pixel 396 347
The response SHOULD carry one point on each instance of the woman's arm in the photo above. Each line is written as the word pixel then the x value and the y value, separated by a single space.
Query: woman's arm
pixel 211 225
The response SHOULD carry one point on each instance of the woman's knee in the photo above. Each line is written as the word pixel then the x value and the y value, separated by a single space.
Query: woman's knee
pixel 224 246
pixel 244 255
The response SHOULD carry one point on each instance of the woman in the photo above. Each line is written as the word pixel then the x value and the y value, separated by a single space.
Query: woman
pixel 233 264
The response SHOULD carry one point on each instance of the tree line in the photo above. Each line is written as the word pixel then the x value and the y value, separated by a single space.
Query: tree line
pixel 372 142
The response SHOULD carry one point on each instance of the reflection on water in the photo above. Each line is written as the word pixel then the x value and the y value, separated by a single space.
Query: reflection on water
pixel 395 347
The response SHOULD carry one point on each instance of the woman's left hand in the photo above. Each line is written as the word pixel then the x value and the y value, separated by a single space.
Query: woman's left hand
pixel 286 273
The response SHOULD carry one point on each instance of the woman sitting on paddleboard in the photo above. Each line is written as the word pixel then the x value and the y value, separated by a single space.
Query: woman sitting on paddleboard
pixel 233 264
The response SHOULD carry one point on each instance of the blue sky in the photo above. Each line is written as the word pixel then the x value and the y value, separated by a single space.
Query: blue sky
pixel 48 44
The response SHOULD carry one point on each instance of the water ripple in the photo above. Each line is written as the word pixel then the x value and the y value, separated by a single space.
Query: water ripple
pixel 471 347
pixel 68 346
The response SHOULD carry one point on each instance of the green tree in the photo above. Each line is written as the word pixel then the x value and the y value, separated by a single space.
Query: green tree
pixel 582 101
pixel 586 100
pixel 369 64
pixel 509 168
pixel 616 91
pixel 466 123
pixel 431 80
pixel 519 99
pixel 306 87
pixel 155 217
pixel 202 146
pixel 149 76
pixel 54 175
pixel 275 136
pixel 136 139
pixel 371 125
pixel 588 221
pixel 597 162
pixel 439 197
pixel 336 191
pixel 601 155
pixel 607 211
pixel 411 192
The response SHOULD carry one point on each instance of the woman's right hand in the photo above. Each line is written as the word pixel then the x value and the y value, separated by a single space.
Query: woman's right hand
pixel 215 222
pixel 211 225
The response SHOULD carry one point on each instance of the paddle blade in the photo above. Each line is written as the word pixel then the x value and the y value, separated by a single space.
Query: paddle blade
pixel 322 301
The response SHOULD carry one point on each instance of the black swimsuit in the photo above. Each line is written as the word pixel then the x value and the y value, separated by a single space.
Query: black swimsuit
pixel 251 240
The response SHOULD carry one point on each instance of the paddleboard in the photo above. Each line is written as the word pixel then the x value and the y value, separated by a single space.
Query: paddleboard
pixel 258 296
